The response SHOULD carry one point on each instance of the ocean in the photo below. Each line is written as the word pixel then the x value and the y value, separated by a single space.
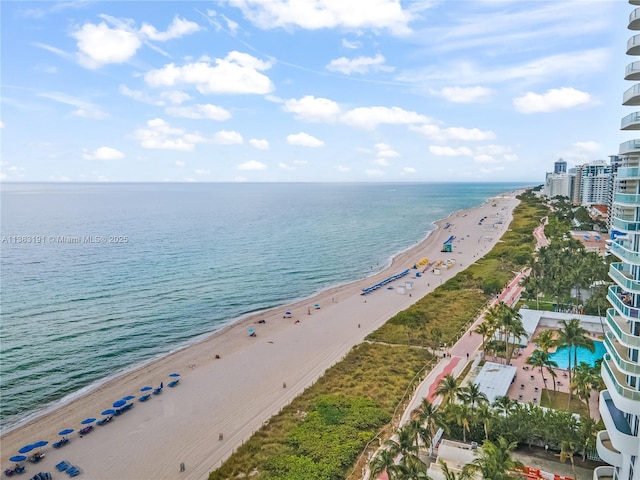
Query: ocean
pixel 98 278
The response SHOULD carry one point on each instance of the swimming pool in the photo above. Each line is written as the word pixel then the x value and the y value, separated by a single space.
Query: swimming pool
pixel 584 355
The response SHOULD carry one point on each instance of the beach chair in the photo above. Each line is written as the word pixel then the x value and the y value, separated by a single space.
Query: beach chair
pixel 19 469
pixel 144 398
pixel 73 471
pixel 105 420
pixel 60 443
pixel 86 430
pixel 62 466
pixel 173 383
pixel 157 391
pixel 41 476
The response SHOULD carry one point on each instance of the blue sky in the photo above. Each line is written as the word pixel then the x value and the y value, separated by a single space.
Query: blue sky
pixel 316 90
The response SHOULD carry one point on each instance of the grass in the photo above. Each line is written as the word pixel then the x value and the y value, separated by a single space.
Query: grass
pixel 559 401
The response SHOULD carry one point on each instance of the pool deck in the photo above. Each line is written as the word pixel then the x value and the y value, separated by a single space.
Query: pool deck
pixel 528 378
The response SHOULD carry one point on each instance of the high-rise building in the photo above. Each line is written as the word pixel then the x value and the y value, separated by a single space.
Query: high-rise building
pixel 619 444
pixel 596 182
pixel 560 166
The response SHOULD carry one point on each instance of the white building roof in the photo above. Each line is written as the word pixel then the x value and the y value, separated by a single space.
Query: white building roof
pixel 494 379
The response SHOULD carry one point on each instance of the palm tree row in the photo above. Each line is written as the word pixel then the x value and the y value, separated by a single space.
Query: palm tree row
pixel 505 322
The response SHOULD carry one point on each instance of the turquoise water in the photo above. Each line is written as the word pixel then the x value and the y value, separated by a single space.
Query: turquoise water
pixel 179 261
pixel 560 356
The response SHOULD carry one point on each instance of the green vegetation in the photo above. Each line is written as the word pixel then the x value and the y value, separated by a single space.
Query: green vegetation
pixel 321 434
pixel 560 400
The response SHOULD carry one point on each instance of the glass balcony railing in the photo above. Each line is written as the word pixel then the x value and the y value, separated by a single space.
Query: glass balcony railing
pixel 628 172
pixel 633 44
pixel 620 327
pixel 632 95
pixel 634 20
pixel 618 378
pixel 632 70
pixel 613 295
pixel 623 278
pixel 624 254
pixel 632 119
pixel 626 225
pixel 630 147
pixel 624 365
pixel 632 199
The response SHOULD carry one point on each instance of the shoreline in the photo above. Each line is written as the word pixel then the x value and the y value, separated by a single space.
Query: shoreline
pixel 332 332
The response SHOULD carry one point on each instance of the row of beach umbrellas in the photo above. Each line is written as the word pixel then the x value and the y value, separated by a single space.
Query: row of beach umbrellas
pixel 87 421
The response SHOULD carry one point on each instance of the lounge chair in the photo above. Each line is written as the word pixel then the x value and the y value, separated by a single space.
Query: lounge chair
pixel 173 383
pixel 41 476
pixel 9 472
pixel 86 430
pixel 61 443
pixel 19 469
pixel 144 398
pixel 36 457
pixel 62 466
pixel 105 420
pixel 157 391
pixel 73 471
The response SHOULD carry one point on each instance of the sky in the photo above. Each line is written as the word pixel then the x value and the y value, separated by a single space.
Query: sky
pixel 309 90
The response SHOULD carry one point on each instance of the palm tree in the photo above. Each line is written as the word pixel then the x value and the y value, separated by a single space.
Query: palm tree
pixel 403 442
pixel 412 468
pixel 448 388
pixel 509 323
pixel 431 420
pixel 572 335
pixel 450 475
pixel 384 461
pixel 505 404
pixel 495 461
pixel 486 330
pixel 471 394
pixel 486 413
pixel 583 382
pixel 540 359
pixel 545 339
pixel 461 414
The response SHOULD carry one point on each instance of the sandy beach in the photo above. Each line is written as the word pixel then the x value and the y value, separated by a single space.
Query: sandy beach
pixel 235 394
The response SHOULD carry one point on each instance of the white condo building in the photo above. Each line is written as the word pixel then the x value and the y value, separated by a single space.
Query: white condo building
pixel 619 444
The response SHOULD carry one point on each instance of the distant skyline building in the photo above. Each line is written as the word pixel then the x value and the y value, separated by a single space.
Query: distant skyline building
pixel 619 406
pixel 560 166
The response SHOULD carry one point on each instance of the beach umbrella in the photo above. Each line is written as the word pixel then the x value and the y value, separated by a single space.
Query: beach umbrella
pixel 17 458
pixel 66 431
pixel 108 412
pixel 146 389
pixel 87 421
pixel 177 374
pixel 119 403
pixel 129 397
pixel 39 444
pixel 26 449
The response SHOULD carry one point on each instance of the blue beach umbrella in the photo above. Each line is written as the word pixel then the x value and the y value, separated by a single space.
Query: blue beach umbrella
pixel 119 403
pixel 146 389
pixel 87 421
pixel 39 444
pixel 129 397
pixel 174 374
pixel 26 449
pixel 108 412
pixel 17 458
pixel 66 431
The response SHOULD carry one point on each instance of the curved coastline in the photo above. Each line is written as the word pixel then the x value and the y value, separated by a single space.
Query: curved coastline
pixel 198 351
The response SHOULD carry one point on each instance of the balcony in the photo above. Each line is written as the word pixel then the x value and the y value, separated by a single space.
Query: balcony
pixel 629 173
pixel 620 328
pixel 627 199
pixel 633 45
pixel 606 450
pixel 625 397
pixel 634 2
pixel 634 20
pixel 631 122
pixel 632 147
pixel 603 473
pixel 626 224
pixel 624 254
pixel 632 71
pixel 619 355
pixel 623 277
pixel 632 96
pixel 614 296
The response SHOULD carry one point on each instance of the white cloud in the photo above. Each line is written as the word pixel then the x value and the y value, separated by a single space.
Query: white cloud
pixel 304 140
pixel 224 137
pixel 99 45
pixel 484 158
pixel 84 109
pixel 284 166
pixel 385 151
pixel 591 146
pixel 359 65
pixel 372 172
pixel 259 144
pixel 237 73
pixel 464 94
pixel 435 132
pixel 313 109
pixel 408 171
pixel 2 124
pixel 372 14
pixel 383 162
pixel 208 111
pixel 175 96
pixel 139 95
pixel 343 169
pixel 300 162
pixel 252 165
pixel 443 151
pixel 582 152
pixel 202 171
pixel 351 44
pixel 103 153
pixel 371 117
pixel 552 100
pixel 178 28
pixel 180 163
pixel 160 135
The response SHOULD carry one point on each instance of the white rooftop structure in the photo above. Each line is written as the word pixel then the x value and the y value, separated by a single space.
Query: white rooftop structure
pixel 494 379
pixel 532 319
pixel 455 455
